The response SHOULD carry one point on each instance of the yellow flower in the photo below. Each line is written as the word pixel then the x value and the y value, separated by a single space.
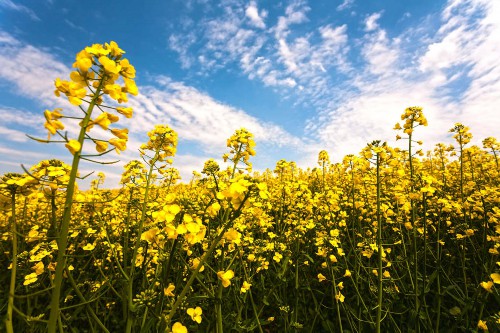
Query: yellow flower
pixel 114 49
pixel 233 236
pixel 386 274
pixel 73 146
pixel 225 277
pixel 127 112
pixel 88 247
pixel 38 268
pixel 83 61
pixel 130 86
pixel 109 65
pixel 120 144
pixel 179 328
pixel 195 314
pixel 495 277
pixel 101 146
pixel 150 235
pixel 30 278
pixel 120 133
pixel 53 124
pixel 482 325
pixel 105 119
pixel 487 286
pixel 97 49
pixel 128 71
pixel 321 277
pixel 195 263
pixel 340 297
pixel 245 287
pixel 347 273
pixel 169 290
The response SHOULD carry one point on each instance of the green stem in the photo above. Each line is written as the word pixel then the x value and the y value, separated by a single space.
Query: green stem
pixel 339 318
pixel 218 309
pixel 62 241
pixel 380 250
pixel 254 308
pixel 414 232
pixel 130 282
pixel 84 301
pixel 8 322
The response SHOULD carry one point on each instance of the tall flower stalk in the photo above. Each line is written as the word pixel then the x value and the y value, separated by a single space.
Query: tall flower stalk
pixel 98 69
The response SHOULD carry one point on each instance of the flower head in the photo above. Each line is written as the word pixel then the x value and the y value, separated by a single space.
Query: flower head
pixel 225 277
pixel 195 314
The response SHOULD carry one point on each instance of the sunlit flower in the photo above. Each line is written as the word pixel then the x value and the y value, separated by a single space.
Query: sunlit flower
pixel 73 146
pixel 245 287
pixel 225 277
pixel 179 328
pixel 195 314
pixel 169 290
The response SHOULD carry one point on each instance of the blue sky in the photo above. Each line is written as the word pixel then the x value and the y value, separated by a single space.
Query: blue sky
pixel 301 75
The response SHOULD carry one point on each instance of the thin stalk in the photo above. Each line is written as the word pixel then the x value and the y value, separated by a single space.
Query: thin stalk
pixel 414 232
pixel 130 282
pixel 218 309
pixel 62 241
pixel 13 272
pixel 438 277
pixel 254 308
pixel 380 249
pixel 337 306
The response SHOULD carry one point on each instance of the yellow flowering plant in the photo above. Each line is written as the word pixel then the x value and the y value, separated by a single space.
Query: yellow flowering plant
pixel 384 240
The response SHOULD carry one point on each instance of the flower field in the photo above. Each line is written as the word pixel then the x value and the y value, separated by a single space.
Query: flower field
pixel 389 240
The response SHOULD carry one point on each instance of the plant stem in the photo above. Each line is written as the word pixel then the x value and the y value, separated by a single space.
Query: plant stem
pixel 62 241
pixel 380 250
pixel 8 322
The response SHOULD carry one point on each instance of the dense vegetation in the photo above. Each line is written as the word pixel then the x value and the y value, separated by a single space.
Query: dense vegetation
pixel 390 240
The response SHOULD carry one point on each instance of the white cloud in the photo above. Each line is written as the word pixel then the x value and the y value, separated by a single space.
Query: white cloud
pixel 291 65
pixel 380 53
pixel 19 8
pixel 181 45
pixel 13 135
pixel 252 12
pixel 371 22
pixel 198 117
pixel 416 68
pixel 345 5
pixel 295 13
pixel 30 69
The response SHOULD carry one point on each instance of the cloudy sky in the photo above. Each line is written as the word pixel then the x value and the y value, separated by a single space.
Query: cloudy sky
pixel 301 75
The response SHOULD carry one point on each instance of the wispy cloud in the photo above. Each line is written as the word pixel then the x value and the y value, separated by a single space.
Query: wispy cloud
pixel 198 118
pixel 346 4
pixel 74 26
pixel 451 71
pixel 30 70
pixel 256 19
pixel 8 4
pixel 371 22
pixel 272 52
